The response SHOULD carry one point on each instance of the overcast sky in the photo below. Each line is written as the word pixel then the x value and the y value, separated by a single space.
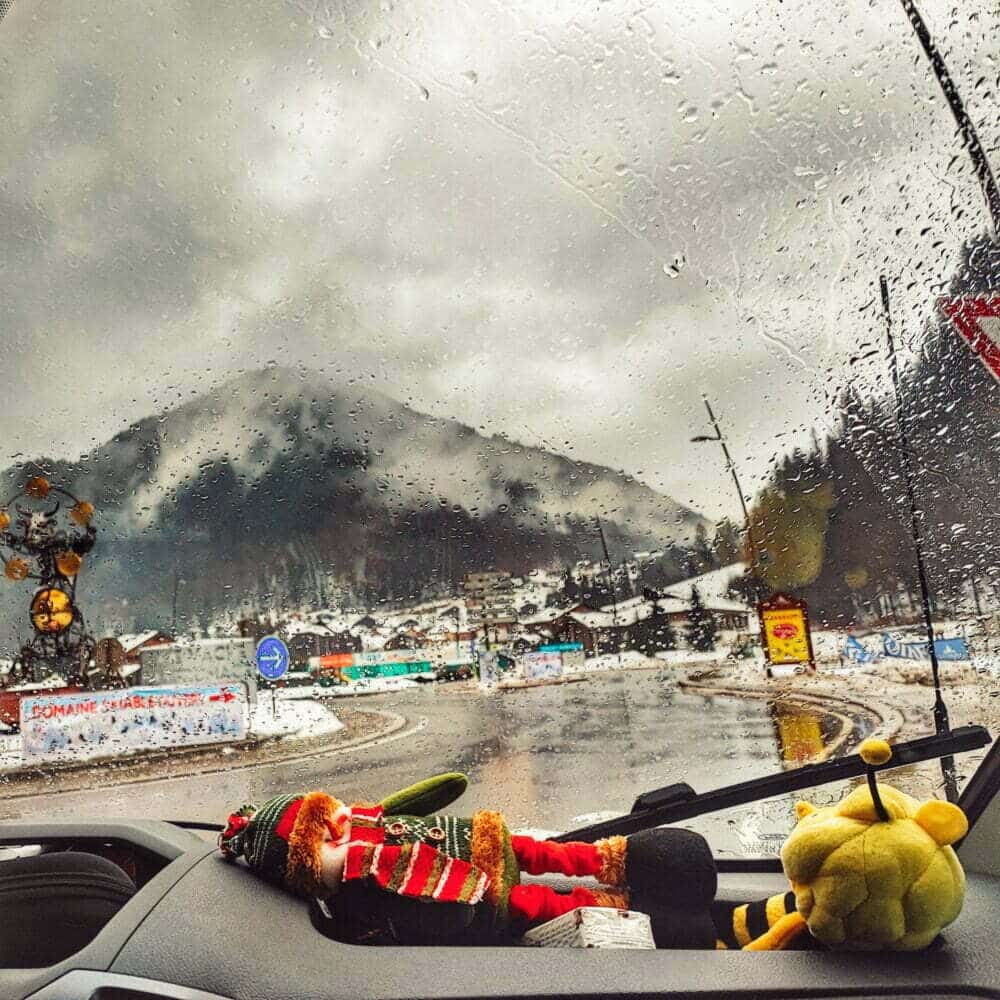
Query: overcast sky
pixel 560 221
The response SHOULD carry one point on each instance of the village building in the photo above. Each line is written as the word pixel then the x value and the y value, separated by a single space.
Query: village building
pixel 134 644
pixel 638 623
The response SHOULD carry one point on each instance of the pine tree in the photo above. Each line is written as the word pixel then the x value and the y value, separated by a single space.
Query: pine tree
pixel 727 544
pixel 702 557
pixel 664 633
pixel 702 631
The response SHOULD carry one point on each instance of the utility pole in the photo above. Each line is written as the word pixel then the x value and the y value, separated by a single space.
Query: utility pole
pixel 975 597
pixel 970 138
pixel 755 561
pixel 611 575
pixel 177 584
pixel 731 466
pixel 611 581
pixel 941 724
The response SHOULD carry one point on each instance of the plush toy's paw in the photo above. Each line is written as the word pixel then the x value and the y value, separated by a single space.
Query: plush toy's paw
pixel 770 924
pixel 671 865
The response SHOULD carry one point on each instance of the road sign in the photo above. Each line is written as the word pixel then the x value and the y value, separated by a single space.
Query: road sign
pixel 945 649
pixel 272 657
pixel 784 629
pixel 977 320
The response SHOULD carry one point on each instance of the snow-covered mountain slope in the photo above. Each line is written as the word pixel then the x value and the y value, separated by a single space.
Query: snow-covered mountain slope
pixel 279 484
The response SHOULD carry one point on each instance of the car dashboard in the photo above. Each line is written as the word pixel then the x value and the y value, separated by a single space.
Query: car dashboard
pixel 199 928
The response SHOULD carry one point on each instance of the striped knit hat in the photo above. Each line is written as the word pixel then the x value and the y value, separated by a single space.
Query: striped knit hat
pixel 282 840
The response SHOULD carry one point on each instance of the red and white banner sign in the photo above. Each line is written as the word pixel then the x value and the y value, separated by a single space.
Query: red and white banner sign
pixel 89 724
pixel 977 320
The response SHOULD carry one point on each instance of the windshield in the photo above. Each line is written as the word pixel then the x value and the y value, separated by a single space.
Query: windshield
pixel 584 396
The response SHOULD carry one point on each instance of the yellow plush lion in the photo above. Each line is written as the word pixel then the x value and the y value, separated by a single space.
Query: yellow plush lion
pixel 876 870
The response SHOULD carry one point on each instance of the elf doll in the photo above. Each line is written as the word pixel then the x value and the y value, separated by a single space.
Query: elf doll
pixel 402 871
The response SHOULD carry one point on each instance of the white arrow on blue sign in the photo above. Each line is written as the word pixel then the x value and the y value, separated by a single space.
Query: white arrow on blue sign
pixel 272 657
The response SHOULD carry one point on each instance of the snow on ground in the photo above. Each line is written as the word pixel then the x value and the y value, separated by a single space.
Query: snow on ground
pixel 684 656
pixel 293 718
pixel 10 751
pixel 614 661
pixel 713 586
pixel 828 644
pixel 632 659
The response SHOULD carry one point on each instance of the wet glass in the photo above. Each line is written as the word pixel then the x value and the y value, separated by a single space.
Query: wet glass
pixel 524 371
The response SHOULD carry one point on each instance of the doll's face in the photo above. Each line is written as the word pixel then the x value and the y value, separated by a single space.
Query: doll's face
pixel 333 853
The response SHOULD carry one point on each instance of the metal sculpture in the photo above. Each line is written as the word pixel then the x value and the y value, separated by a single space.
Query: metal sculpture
pixel 39 544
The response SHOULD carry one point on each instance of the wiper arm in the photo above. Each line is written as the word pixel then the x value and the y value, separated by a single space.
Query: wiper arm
pixel 673 803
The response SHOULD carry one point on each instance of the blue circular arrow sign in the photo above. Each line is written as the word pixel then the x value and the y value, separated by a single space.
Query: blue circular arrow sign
pixel 272 657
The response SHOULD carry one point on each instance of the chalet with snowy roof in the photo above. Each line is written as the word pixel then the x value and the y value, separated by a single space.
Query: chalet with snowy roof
pixel 596 630
pixel 135 643
pixel 303 644
pixel 406 638
pixel 730 615
pixel 639 623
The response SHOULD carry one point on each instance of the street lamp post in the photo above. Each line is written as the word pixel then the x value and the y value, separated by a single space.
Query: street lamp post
pixel 731 466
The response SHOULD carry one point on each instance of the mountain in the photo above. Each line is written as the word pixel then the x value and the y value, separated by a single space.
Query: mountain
pixel 279 487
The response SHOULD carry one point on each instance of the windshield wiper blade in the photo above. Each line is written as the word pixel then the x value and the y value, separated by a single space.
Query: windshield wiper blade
pixel 679 807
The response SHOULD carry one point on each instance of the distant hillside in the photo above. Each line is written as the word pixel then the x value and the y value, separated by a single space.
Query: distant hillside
pixel 277 488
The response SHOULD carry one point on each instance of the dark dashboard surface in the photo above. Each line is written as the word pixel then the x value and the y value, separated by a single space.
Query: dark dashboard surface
pixel 203 928
pixel 263 947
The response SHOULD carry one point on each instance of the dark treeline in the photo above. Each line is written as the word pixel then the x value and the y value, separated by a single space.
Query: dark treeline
pixel 833 524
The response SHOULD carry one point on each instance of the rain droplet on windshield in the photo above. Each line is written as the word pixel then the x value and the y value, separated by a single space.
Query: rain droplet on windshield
pixel 673 268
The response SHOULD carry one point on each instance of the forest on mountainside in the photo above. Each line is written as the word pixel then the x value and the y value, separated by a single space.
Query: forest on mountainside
pixel 833 523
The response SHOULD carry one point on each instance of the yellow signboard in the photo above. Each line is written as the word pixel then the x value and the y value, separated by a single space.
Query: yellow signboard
pixel 784 625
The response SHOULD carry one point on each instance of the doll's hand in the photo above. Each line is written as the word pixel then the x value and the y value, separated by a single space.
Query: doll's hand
pixel 333 852
pixel 333 857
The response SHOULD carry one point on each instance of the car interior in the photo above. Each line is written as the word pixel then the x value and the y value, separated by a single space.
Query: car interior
pixel 98 908
pixel 149 909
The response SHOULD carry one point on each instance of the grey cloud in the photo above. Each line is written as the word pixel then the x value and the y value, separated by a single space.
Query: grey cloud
pixel 188 190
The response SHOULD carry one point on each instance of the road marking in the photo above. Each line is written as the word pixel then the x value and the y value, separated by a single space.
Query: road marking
pixel 422 724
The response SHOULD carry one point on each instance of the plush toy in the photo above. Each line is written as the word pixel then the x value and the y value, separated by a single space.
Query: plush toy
pixel 402 871
pixel 876 871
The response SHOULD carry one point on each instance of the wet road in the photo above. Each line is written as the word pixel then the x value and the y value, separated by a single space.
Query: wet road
pixel 545 756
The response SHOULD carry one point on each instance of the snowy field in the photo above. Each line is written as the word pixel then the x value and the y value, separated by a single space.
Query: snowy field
pixel 293 717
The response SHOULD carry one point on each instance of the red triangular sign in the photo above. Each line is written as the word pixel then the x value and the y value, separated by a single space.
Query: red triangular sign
pixel 977 321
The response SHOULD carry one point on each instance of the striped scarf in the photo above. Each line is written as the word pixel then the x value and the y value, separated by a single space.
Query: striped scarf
pixel 413 869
